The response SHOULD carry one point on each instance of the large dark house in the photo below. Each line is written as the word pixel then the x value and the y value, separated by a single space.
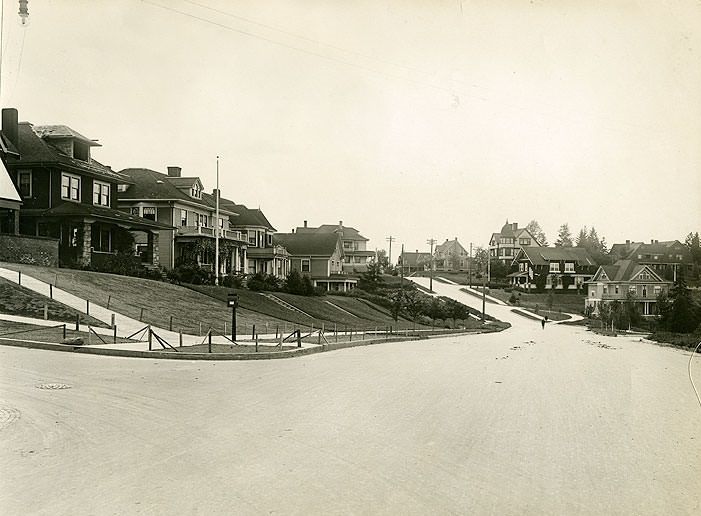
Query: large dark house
pixel 68 195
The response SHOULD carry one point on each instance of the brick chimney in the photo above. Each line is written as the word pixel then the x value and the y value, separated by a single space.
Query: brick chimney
pixel 174 171
pixel 10 128
pixel 215 192
pixel 514 226
pixel 305 223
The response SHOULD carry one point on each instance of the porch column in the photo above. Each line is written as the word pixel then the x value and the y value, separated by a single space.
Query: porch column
pixel 86 255
pixel 152 237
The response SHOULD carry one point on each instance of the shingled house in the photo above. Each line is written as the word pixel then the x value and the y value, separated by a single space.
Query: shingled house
pixel 319 256
pixel 667 258
pixel 450 256
pixel 414 262
pixel 355 253
pixel 565 267
pixel 615 283
pixel 68 195
pixel 181 202
pixel 504 246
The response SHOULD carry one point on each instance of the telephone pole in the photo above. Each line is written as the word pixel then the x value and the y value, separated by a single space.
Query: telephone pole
pixel 432 242
pixel 469 268
pixel 390 239
pixel 216 232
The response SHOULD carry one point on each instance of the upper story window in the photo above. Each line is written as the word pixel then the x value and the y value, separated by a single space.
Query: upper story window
pixel 644 276
pixel 81 151
pixel 70 187
pixel 122 188
pixel 183 217
pixel 524 241
pixel 305 265
pixel 554 266
pixel 196 191
pixel 270 239
pixel 633 289
pixel 252 238
pixel 100 193
pixel 149 212
pixel 569 266
pixel 24 179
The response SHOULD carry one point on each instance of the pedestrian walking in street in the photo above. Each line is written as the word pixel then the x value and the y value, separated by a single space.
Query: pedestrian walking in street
pixel 542 323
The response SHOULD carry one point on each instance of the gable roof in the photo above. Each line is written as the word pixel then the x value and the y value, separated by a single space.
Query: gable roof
pixel 349 233
pixel 448 245
pixel 246 216
pixel 545 255
pixel 308 244
pixel 624 270
pixel 33 148
pixel 414 259
pixel 630 251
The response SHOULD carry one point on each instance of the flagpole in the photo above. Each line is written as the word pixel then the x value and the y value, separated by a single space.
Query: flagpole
pixel 216 230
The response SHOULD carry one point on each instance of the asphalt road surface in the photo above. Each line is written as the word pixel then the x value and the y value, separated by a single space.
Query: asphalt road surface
pixel 528 421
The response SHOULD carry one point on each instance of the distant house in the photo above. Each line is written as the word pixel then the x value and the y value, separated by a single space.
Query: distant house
pixel 414 262
pixel 69 196
pixel 262 254
pixel 505 244
pixel 667 258
pixel 565 267
pixel 615 282
pixel 181 203
pixel 319 256
pixel 450 256
pixel 355 253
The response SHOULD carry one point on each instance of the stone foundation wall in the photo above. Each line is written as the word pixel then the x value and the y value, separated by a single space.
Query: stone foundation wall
pixel 29 250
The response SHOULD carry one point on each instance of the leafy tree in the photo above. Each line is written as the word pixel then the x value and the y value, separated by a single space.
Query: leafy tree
pixel 294 284
pixel 540 281
pixel 372 277
pixel 396 304
pixel 564 237
pixel 631 310
pixel 414 304
pixel 534 229
pixel 567 280
pixel 604 313
pixel 498 269
pixel 480 259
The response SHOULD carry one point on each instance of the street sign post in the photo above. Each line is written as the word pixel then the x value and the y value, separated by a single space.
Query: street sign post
pixel 232 300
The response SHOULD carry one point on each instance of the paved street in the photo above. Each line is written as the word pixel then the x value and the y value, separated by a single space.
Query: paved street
pixel 528 421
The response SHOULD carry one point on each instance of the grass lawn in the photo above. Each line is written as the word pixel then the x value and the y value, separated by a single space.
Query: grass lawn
pixel 18 300
pixel 570 303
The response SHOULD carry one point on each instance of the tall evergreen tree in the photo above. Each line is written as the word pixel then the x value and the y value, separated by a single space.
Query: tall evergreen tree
pixel 564 237
pixel 582 238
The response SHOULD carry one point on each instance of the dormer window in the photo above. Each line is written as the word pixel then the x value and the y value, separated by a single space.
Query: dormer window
pixel 81 151
pixel 196 191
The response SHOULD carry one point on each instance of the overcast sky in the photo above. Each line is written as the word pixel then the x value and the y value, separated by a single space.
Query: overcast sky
pixel 415 119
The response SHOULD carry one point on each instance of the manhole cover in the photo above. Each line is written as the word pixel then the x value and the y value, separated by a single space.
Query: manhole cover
pixel 8 416
pixel 53 386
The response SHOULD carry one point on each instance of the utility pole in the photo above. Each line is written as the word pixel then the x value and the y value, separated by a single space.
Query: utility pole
pixel 401 271
pixel 216 232
pixel 390 239
pixel 469 268
pixel 431 241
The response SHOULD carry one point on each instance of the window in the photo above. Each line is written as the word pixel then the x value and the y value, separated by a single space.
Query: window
pixel 270 239
pixel 606 289
pixel 569 266
pixel 196 191
pixel 644 276
pixel 616 289
pixel 554 266
pixel 644 290
pixel 183 217
pixel 524 241
pixel 70 187
pixel 135 211
pixel 658 290
pixel 122 188
pixel 149 213
pixel 252 238
pixel 305 266
pixel 24 178
pixel 100 193
pixel 633 289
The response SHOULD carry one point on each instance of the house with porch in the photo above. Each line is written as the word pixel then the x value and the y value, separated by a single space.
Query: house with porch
pixel 626 280
pixel 319 256
pixel 181 203
pixel 69 196
pixel 566 268
pixel 261 253
pixel 450 256
pixel 355 253
pixel 505 244
pixel 409 262
pixel 667 258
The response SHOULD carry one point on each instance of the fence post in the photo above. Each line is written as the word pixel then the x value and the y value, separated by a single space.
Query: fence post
pixel 350 338
pixel 114 329
pixel 253 332
pixel 77 322
pixel 363 335
pixel 109 298
pixel 149 337
pixel 64 331
pixel 277 330
pixel 87 307
pixel 180 337
pixel 113 324
pixel 141 316
pixel 51 291
pixel 200 329
pixel 19 278
pixel 225 332
pixel 46 312
pixel 299 339
pixel 256 343
pixel 89 336
pixel 209 337
pixel 170 325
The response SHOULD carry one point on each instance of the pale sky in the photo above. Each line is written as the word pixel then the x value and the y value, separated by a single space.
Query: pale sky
pixel 415 119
